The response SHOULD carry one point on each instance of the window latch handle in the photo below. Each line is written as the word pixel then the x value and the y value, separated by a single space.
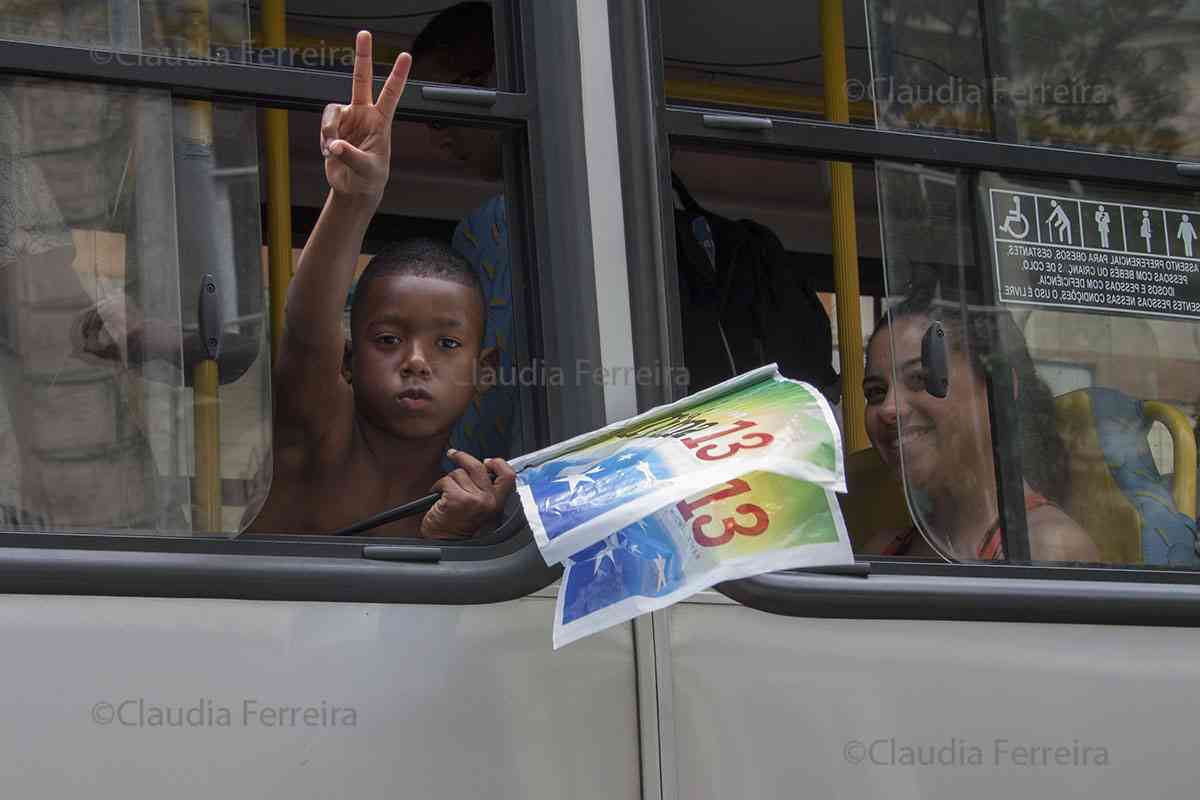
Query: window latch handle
pixel 210 316
pixel 859 569
pixel 736 122
pixel 462 95
pixel 402 552
pixel 1188 170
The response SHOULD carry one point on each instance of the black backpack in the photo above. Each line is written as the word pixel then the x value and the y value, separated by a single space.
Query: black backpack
pixel 742 304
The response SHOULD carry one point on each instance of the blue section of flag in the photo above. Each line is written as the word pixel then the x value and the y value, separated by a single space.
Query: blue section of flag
pixel 571 490
pixel 641 560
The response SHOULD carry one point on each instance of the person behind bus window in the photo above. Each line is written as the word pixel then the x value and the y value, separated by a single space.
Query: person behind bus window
pixel 457 46
pixel 946 442
pixel 362 426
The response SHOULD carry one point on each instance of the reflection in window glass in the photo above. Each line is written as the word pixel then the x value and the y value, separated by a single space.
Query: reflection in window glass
pixel 217 28
pixel 113 204
pixel 927 64
pixel 451 42
pixel 1084 311
pixel 1104 75
pixel 757 54
pixel 181 27
pixel 82 23
pixel 1109 76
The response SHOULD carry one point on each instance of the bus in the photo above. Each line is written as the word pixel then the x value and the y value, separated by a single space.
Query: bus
pixel 992 201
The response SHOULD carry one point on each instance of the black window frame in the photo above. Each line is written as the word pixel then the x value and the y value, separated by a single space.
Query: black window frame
pixel 880 587
pixel 551 226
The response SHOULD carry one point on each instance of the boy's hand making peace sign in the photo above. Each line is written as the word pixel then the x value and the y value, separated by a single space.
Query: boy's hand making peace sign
pixel 356 140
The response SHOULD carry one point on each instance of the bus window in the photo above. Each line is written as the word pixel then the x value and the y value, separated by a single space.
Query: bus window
pixel 447 184
pixel 1057 423
pixel 459 40
pixel 119 210
pixel 867 314
pixel 745 199
pixel 1113 78
pixel 757 54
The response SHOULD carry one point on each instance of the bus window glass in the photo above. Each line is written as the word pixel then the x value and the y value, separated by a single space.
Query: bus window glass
pixel 447 192
pixel 727 200
pixel 116 208
pixel 451 42
pixel 927 66
pixel 1107 76
pixel 219 29
pixel 758 55
pixel 1038 360
pixel 754 243
pixel 448 184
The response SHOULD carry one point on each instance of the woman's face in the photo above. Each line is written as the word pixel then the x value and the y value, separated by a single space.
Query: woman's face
pixel 945 440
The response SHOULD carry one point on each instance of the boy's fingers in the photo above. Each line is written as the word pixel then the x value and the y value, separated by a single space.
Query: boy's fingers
pixel 473 467
pixel 358 161
pixel 360 94
pixel 463 483
pixel 448 486
pixel 393 88
pixel 506 478
pixel 455 491
pixel 329 125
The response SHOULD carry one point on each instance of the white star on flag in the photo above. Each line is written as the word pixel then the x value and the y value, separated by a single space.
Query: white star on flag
pixel 607 552
pixel 577 475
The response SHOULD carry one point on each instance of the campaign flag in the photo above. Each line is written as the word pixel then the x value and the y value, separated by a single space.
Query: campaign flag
pixel 760 522
pixel 580 492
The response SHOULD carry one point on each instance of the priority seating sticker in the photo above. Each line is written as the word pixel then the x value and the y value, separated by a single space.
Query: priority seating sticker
pixel 1087 253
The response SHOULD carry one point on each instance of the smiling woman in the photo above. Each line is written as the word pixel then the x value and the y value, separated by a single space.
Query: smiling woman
pixel 945 444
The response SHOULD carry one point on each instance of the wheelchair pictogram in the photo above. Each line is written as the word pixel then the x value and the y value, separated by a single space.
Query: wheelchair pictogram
pixel 1015 218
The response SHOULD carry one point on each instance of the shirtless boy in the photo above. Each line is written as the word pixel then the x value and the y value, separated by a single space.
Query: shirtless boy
pixel 362 426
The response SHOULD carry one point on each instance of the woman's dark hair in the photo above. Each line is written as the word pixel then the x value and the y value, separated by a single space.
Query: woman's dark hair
pixel 989 337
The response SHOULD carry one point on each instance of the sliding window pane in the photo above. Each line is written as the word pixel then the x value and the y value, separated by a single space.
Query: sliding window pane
pixel 1099 75
pixel 451 42
pixel 758 54
pixel 114 206
pixel 196 28
pixel 1039 361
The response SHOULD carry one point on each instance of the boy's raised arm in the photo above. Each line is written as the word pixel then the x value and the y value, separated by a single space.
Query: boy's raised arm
pixel 356 144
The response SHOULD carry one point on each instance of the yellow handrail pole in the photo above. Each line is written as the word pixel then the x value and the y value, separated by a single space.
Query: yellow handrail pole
pixel 206 417
pixel 205 383
pixel 845 236
pixel 279 185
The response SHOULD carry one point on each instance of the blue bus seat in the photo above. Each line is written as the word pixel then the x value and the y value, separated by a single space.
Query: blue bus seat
pixel 1116 492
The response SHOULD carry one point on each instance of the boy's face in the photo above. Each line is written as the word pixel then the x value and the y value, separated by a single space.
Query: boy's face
pixel 416 356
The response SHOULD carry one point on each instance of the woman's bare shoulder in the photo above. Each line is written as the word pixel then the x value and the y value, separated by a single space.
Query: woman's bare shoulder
pixel 1054 536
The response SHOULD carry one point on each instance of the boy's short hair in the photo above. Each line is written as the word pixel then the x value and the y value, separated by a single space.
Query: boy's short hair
pixel 458 25
pixel 421 257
